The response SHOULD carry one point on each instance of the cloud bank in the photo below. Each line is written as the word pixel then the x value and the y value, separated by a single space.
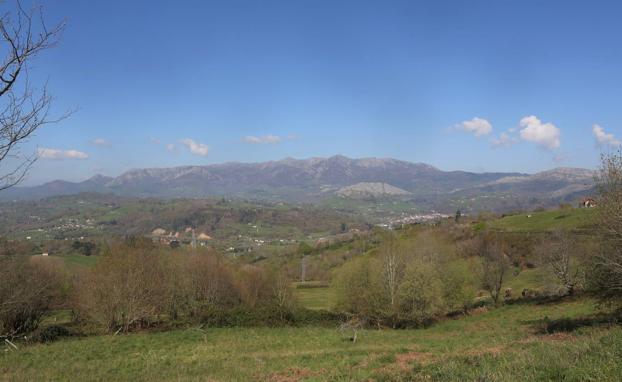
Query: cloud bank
pixel 46 153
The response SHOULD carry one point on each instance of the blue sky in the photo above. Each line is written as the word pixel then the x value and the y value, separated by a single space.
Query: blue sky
pixel 199 82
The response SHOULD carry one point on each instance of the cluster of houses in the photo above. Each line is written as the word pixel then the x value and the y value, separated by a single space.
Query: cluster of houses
pixel 587 203
pixel 415 219
pixel 176 238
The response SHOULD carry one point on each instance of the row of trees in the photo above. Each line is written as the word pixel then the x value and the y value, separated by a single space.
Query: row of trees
pixel 135 285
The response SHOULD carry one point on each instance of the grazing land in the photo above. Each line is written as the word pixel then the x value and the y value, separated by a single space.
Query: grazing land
pixel 560 219
pixel 503 344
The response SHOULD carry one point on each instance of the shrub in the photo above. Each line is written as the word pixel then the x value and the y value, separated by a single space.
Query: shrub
pixel 246 316
pixel 137 286
pixel 126 288
pixel 27 291
pixel 50 334
pixel 308 317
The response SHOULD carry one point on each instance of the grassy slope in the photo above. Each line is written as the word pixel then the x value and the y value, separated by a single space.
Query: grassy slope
pixel 79 260
pixel 316 298
pixel 572 218
pixel 500 345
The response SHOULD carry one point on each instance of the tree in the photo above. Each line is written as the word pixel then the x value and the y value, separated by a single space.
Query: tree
pixel 392 260
pixel 459 287
pixel 421 291
pixel 495 266
pixel 359 288
pixel 558 255
pixel 85 248
pixel 606 275
pixel 23 109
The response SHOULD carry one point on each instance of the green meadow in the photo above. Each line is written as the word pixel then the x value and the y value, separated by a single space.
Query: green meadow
pixel 559 219
pixel 504 344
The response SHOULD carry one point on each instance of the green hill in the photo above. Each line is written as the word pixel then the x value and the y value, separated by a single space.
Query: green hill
pixel 566 218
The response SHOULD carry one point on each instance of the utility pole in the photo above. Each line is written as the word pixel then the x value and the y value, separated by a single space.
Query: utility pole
pixel 303 269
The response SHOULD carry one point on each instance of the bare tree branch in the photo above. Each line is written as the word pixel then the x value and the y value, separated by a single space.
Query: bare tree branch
pixel 23 109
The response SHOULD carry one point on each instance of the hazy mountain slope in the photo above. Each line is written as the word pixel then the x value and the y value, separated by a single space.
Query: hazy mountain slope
pixel 306 180
pixel 96 183
pixel 371 190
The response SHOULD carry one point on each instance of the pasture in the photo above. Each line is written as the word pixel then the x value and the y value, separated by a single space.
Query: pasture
pixel 503 344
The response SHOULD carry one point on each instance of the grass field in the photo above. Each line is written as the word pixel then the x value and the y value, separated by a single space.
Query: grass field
pixel 498 345
pixel 79 260
pixel 527 278
pixel 316 298
pixel 570 218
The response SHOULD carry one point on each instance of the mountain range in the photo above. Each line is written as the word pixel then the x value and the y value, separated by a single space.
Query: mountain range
pixel 316 179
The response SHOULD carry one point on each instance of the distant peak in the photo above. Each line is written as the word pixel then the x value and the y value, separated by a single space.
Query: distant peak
pixel 339 158
pixel 98 177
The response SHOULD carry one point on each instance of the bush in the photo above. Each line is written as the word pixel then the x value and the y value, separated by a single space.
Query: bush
pixel 137 286
pixel 241 316
pixel 127 288
pixel 28 289
pixel 50 334
pixel 308 317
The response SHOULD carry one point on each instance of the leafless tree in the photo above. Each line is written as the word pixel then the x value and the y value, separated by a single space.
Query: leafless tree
pixel 607 273
pixel 353 324
pixel 392 266
pixel 495 266
pixel 23 108
pixel 557 254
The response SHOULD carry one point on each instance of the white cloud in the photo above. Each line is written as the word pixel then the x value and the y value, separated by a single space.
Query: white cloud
pixel 603 138
pixel 265 139
pixel 171 147
pixel 477 126
pixel 100 142
pixel 504 140
pixel 61 154
pixel 533 130
pixel 195 147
